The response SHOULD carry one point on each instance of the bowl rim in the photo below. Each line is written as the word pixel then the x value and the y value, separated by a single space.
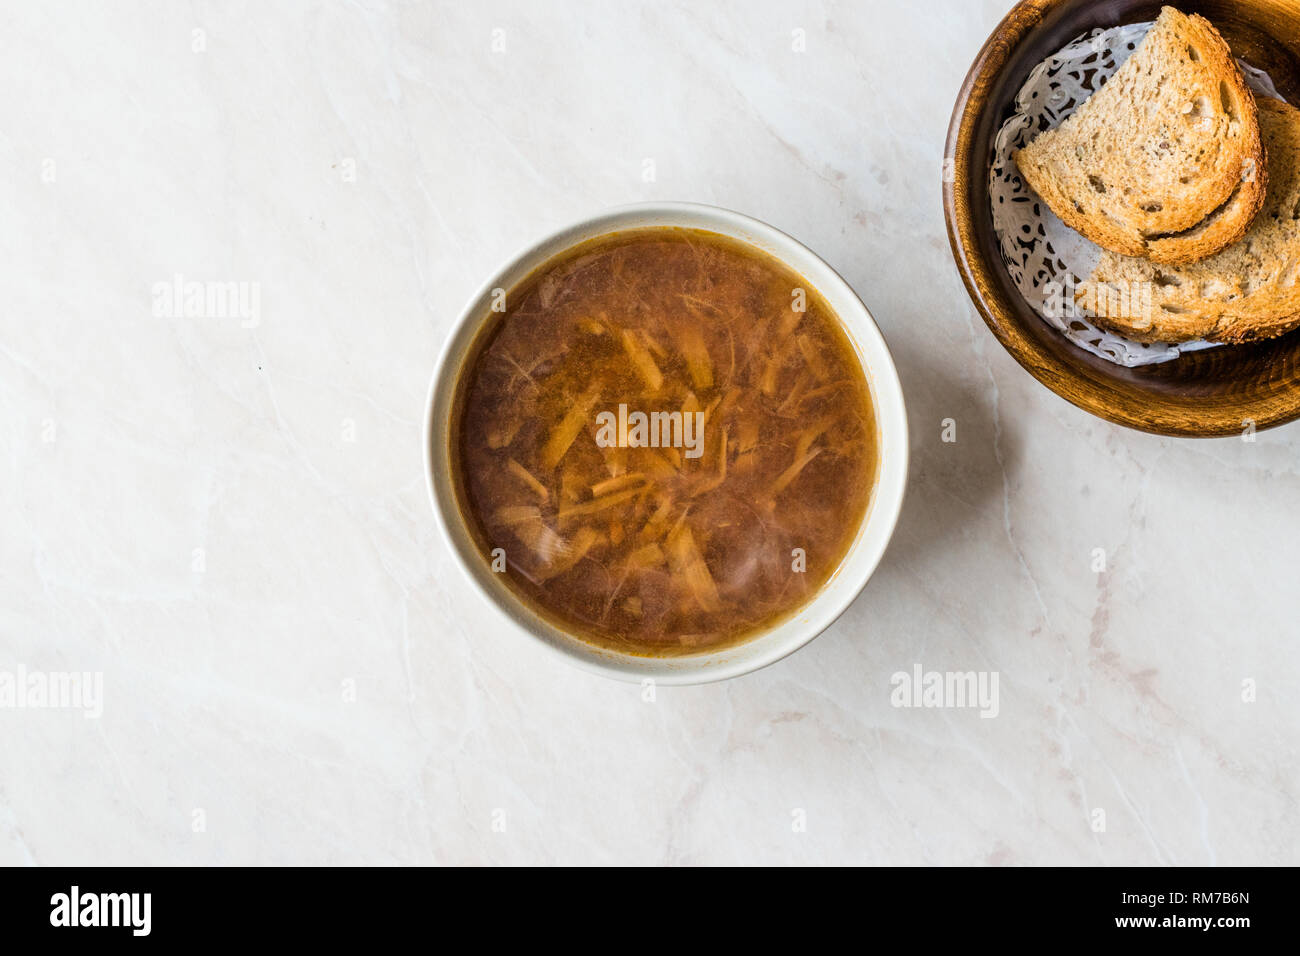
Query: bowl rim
pixel 1100 396
pixel 878 524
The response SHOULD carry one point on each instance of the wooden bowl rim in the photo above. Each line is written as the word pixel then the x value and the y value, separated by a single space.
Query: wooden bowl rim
pixel 1081 386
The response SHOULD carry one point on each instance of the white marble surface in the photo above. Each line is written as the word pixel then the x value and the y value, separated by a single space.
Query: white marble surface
pixel 228 519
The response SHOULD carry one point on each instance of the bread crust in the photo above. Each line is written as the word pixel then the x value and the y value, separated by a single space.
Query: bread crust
pixel 1183 228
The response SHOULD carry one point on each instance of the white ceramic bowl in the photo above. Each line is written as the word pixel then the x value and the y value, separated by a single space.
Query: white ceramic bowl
pixel 867 548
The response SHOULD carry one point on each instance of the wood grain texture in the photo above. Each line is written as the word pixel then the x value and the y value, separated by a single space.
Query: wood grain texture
pixel 1205 394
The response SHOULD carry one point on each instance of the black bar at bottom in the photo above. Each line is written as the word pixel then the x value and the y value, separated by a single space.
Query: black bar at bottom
pixel 338 906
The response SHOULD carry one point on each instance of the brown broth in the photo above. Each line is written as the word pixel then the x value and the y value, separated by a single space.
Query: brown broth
pixel 651 550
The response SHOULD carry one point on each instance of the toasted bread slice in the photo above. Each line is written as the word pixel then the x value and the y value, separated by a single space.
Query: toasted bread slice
pixel 1249 291
pixel 1164 162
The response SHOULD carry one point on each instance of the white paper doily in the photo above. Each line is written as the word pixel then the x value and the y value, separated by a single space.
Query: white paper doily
pixel 1045 257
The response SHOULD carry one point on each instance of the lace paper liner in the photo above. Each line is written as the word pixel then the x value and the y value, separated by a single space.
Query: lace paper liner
pixel 1044 256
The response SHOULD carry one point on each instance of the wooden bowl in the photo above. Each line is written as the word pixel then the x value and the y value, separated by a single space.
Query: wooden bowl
pixel 1222 391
